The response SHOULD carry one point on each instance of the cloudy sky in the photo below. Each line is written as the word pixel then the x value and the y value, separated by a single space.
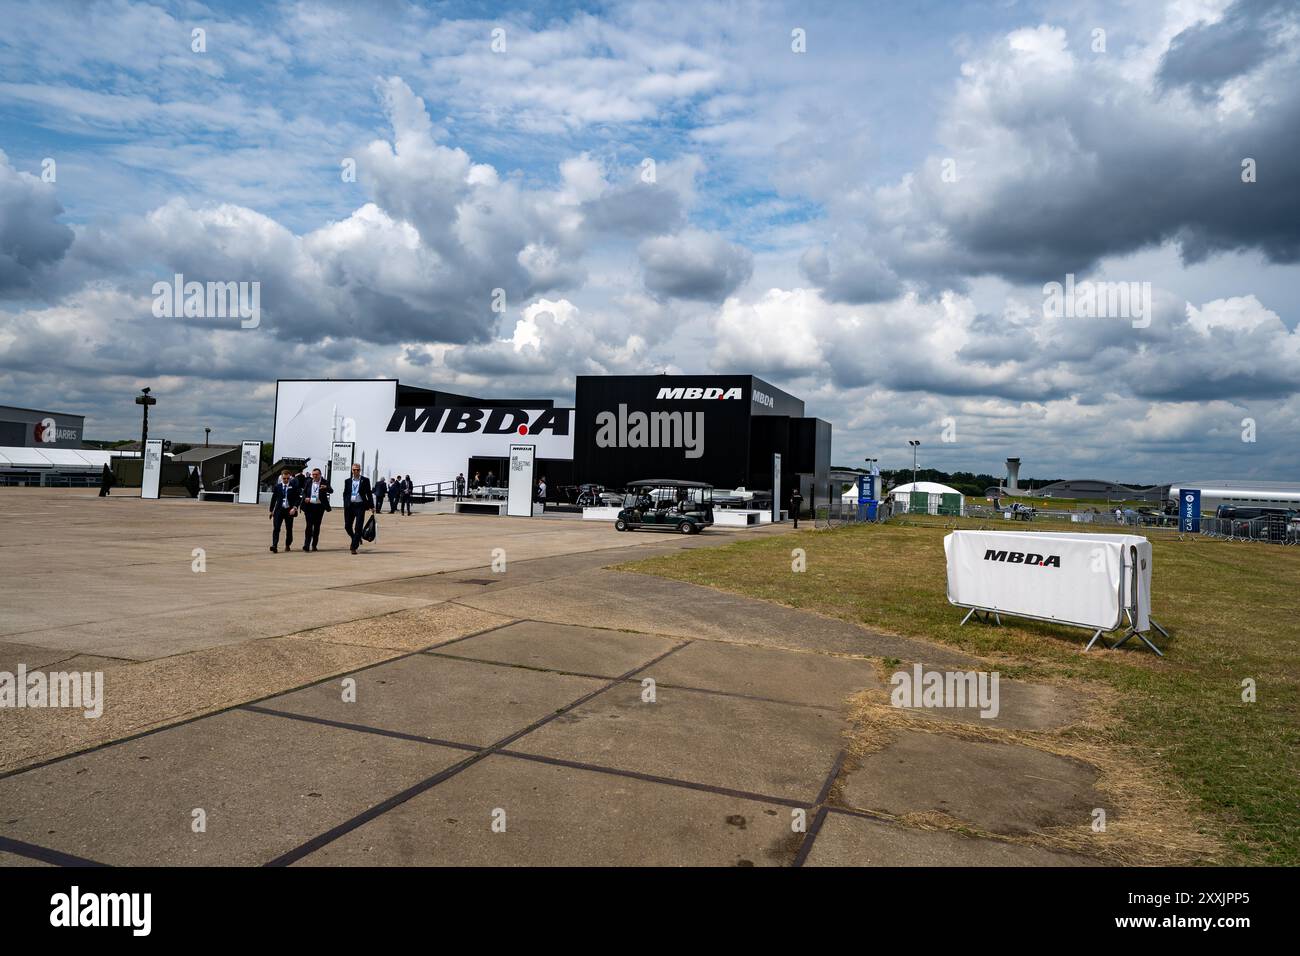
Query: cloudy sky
pixel 862 204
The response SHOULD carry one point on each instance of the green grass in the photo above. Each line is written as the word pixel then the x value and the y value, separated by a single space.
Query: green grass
pixel 1231 608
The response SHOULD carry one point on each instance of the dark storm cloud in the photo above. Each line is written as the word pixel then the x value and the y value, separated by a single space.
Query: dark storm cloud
pixel 1205 56
pixel 31 238
pixel 636 210
pixel 694 265
pixel 855 277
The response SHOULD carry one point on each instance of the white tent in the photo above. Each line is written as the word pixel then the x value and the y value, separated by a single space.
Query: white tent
pixel 65 458
pixel 902 495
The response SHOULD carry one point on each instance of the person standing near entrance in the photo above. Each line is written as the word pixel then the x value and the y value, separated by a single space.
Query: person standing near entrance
pixel 408 490
pixel 460 485
pixel 796 501
pixel 357 500
pixel 315 502
pixel 541 492
pixel 285 498
pixel 106 481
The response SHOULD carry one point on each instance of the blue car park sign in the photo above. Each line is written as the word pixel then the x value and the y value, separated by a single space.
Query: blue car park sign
pixel 1189 510
pixel 867 497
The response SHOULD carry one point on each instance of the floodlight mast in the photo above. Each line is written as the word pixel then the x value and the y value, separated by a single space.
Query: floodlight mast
pixel 145 400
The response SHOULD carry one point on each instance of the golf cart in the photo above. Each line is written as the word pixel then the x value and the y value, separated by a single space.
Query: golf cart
pixel 667 505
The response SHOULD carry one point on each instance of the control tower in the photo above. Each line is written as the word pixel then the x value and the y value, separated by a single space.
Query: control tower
pixel 1013 476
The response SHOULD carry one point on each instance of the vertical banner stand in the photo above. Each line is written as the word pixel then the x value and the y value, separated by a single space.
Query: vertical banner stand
pixel 519 498
pixel 151 477
pixel 341 453
pixel 776 487
pixel 1189 511
pixel 250 470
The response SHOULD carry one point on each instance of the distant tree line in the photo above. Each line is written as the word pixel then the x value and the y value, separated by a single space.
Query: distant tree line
pixel 968 483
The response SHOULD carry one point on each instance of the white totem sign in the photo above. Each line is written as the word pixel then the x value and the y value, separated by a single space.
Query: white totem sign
pixel 519 501
pixel 250 468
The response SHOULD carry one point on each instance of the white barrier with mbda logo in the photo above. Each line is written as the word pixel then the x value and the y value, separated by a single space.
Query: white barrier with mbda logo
pixel 1080 579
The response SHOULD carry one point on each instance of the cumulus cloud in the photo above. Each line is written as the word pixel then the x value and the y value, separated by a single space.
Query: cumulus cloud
pixel 834 222
pixel 946 347
pixel 694 265
pixel 443 241
pixel 551 342
pixel 1052 156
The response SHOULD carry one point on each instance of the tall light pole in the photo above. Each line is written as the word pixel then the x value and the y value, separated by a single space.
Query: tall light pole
pixel 915 445
pixel 145 400
pixel 206 433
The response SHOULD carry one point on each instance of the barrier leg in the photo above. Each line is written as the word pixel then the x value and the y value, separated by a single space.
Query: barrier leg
pixel 967 617
pixel 1159 628
pixel 1142 637
pixel 1147 642
pixel 1096 637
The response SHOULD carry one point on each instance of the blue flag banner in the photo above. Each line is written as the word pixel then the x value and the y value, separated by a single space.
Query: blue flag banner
pixel 1189 510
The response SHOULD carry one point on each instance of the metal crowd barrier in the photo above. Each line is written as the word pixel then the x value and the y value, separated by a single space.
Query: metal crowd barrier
pixel 1275 529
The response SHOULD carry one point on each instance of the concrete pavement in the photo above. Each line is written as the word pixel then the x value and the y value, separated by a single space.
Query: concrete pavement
pixel 411 706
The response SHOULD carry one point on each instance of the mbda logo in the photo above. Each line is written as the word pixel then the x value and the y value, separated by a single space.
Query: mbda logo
pixel 694 394
pixel 495 421
pixel 1021 557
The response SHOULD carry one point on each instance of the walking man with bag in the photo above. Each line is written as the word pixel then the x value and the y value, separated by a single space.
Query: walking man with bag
pixel 357 500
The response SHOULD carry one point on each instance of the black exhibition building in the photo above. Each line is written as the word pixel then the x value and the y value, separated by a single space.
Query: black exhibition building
pixel 723 429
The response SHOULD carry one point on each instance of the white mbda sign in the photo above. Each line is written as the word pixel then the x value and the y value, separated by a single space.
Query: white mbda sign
pixel 519 498
pixel 151 477
pixel 340 470
pixel 1086 580
pixel 430 444
pixel 250 470
pixel 692 394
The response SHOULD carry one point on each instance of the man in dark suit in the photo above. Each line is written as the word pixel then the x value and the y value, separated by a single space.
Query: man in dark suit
pixel 315 502
pixel 357 500
pixel 381 492
pixel 408 489
pixel 285 498
pixel 394 493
